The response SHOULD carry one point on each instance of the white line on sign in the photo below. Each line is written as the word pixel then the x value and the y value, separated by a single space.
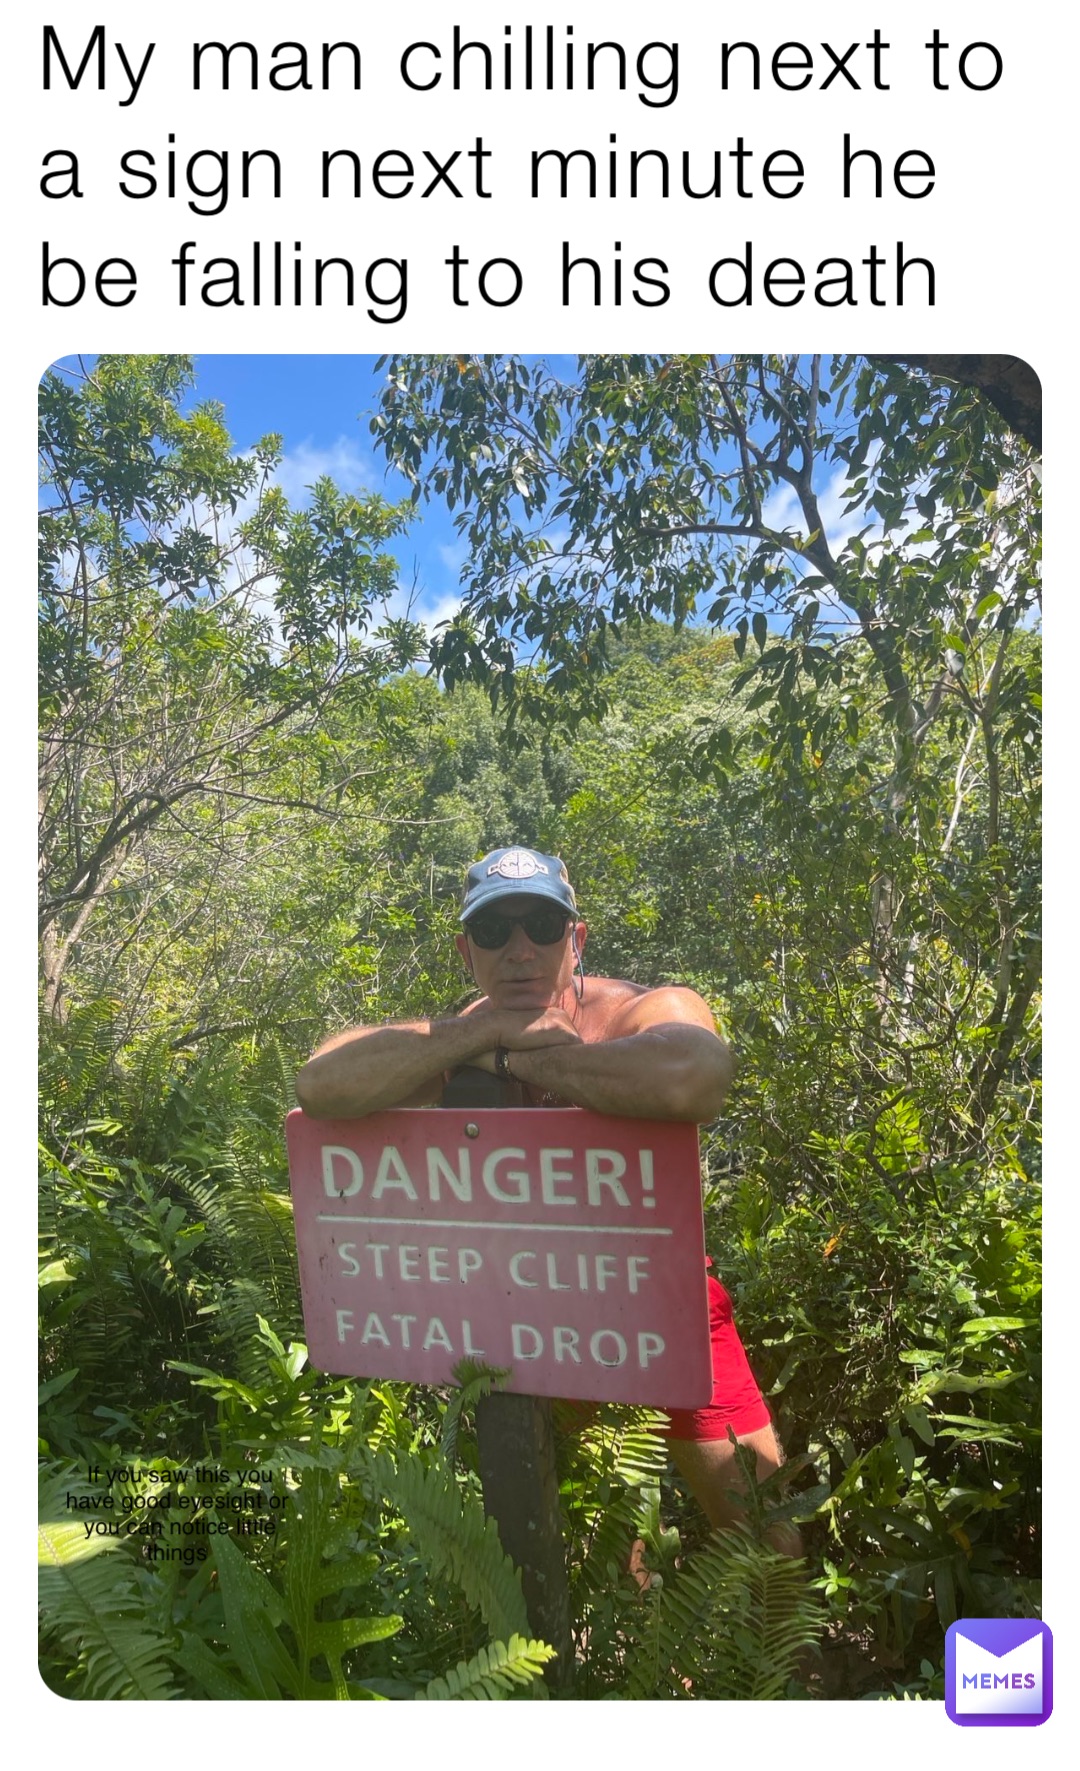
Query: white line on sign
pixel 347 1217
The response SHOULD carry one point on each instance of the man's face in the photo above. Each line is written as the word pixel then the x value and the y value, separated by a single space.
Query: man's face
pixel 523 974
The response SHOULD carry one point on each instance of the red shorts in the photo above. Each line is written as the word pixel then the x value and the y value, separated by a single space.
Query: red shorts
pixel 736 1400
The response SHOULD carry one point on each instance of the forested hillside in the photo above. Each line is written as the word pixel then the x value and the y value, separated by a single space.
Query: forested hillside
pixel 788 747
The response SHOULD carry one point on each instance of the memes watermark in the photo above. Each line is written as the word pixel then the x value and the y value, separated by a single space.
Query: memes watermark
pixel 999 1672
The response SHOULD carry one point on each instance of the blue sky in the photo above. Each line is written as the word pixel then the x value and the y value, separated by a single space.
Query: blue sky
pixel 321 406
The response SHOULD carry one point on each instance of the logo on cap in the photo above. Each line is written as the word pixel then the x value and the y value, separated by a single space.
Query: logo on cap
pixel 517 864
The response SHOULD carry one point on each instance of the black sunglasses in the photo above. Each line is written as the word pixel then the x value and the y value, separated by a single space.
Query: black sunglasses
pixel 490 929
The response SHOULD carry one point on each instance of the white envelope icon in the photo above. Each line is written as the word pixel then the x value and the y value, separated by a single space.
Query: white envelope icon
pixel 998 1684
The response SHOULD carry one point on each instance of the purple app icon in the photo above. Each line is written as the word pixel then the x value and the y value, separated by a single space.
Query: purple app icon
pixel 999 1672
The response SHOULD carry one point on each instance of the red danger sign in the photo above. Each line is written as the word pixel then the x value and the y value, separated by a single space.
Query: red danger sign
pixel 561 1244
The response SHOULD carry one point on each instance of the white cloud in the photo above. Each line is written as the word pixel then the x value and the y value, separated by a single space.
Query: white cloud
pixel 781 511
pixel 453 554
pixel 349 468
pixel 444 608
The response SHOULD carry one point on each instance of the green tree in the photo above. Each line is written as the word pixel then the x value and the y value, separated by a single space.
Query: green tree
pixel 665 486
pixel 189 620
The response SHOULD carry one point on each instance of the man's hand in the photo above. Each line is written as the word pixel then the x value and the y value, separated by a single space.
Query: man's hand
pixel 523 1030
pixel 660 1059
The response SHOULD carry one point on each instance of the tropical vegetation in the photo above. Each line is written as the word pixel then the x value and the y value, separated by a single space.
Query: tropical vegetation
pixel 753 642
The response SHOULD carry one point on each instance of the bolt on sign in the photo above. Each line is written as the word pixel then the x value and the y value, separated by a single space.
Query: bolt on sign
pixel 560 1243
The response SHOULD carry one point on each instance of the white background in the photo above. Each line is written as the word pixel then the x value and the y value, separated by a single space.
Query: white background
pixel 999 227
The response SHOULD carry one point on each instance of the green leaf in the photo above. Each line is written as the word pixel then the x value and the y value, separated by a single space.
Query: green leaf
pixel 920 1422
pixel 253 1610
pixel 492 1672
pixel 62 1542
pixel 55 1273
pixel 983 1327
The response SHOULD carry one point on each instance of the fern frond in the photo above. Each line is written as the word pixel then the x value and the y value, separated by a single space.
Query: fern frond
pixel 729 1625
pixel 62 1542
pixel 94 1610
pixel 253 1660
pixel 606 1546
pixel 316 1534
pixel 493 1672
pixel 474 1380
pixel 77 1060
pixel 389 1420
pixel 253 1610
pixel 603 1469
pixel 455 1539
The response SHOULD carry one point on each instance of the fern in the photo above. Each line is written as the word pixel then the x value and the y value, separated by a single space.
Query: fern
pixel 455 1539
pixel 92 1608
pixel 315 1568
pixel 473 1380
pixel 729 1625
pixel 492 1672
pixel 604 1469
pixel 251 1251
pixel 77 1062
pixel 253 1658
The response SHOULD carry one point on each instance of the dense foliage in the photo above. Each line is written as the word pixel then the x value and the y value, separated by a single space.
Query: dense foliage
pixel 254 821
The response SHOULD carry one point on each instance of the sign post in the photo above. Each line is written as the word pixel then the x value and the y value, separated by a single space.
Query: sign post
pixel 515 1439
pixel 556 1242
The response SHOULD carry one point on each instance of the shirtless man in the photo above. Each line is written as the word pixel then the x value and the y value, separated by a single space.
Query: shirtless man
pixel 606 1044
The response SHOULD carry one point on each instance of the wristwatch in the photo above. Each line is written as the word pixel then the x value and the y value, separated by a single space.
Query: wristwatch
pixel 502 1064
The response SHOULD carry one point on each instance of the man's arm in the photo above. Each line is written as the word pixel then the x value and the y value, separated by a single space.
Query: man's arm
pixel 402 1064
pixel 366 1069
pixel 662 1059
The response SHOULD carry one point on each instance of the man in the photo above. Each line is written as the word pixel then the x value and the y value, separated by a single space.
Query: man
pixel 554 1039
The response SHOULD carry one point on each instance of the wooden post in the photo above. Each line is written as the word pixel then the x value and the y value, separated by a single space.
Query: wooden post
pixel 516 1443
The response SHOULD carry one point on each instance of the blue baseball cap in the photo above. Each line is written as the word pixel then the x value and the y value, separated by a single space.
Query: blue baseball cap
pixel 516 872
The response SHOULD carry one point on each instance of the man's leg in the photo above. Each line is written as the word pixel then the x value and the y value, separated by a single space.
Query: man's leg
pixel 700 1438
pixel 715 1477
